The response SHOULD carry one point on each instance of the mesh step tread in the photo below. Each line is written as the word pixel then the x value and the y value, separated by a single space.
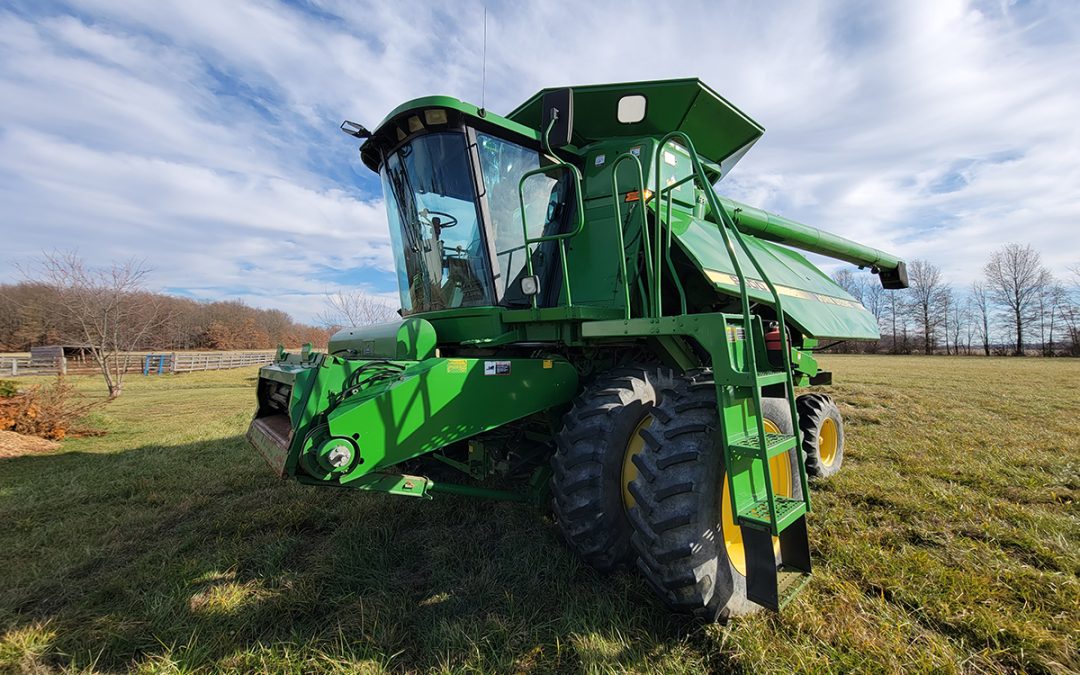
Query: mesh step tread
pixel 775 444
pixel 787 512
pixel 789 581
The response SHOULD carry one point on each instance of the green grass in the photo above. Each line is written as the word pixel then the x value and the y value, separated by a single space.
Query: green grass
pixel 950 541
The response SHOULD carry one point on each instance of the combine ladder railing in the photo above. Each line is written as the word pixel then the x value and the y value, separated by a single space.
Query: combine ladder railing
pixel 783 517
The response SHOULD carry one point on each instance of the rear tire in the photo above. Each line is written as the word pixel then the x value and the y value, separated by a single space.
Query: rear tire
pixel 587 481
pixel 683 549
pixel 822 433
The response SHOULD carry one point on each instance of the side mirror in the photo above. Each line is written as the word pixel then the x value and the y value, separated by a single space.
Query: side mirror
pixel 557 118
pixel 355 130
pixel 530 285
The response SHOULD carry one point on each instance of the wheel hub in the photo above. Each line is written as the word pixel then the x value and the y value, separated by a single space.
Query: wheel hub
pixel 634 445
pixel 828 441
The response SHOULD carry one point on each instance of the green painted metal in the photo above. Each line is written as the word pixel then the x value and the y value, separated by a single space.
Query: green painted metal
pixel 731 346
pixel 771 227
pixel 616 200
pixel 723 132
pixel 740 505
pixel 408 408
pixel 411 339
pixel 816 305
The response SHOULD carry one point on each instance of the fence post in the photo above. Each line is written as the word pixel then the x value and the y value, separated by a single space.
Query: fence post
pixel 63 365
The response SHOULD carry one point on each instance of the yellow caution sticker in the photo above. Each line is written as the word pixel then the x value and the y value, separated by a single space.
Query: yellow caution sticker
pixel 725 279
pixel 548 363
pixel 457 366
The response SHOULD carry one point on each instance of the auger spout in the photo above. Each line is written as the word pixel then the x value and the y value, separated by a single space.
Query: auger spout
pixel 769 226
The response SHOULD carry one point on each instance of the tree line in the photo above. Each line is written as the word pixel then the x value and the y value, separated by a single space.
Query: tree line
pixel 108 311
pixel 62 300
pixel 1016 306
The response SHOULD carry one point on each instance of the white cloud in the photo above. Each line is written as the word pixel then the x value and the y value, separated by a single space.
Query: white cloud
pixel 204 141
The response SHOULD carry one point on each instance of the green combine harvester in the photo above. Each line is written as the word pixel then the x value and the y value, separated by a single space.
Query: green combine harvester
pixel 586 322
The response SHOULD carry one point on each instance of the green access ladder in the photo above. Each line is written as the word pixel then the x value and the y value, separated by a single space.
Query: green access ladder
pixel 760 512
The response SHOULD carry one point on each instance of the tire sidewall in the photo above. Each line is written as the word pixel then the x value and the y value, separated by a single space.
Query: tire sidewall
pixel 810 421
pixel 638 390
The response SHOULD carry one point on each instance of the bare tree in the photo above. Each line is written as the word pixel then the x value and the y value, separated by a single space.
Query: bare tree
pixel 1057 298
pixel 980 299
pixel 959 317
pixel 1015 277
pixel 847 281
pixel 873 299
pixel 927 294
pixel 1070 323
pixel 897 309
pixel 354 308
pixel 107 309
pixel 1070 313
pixel 971 326
pixel 945 303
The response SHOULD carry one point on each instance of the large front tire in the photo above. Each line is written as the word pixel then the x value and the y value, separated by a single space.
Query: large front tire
pixel 688 545
pixel 590 467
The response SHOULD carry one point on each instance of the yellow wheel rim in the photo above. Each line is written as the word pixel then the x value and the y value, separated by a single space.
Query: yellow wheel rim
pixel 782 483
pixel 827 441
pixel 629 470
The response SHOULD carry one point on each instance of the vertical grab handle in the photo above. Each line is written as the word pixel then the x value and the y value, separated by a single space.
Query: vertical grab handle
pixel 627 156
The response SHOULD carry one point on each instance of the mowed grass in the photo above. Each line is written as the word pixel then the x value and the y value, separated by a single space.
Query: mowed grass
pixel 950 541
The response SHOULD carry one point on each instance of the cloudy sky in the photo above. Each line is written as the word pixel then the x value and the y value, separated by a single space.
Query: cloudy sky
pixel 202 136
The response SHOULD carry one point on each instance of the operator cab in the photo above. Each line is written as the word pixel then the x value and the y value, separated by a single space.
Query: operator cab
pixel 451 185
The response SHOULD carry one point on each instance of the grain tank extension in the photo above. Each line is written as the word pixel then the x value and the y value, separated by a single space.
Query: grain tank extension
pixel 585 322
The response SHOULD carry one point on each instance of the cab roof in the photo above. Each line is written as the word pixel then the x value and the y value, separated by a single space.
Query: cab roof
pixel 721 132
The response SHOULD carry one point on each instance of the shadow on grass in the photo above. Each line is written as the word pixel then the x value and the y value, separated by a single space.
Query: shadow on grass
pixel 195 555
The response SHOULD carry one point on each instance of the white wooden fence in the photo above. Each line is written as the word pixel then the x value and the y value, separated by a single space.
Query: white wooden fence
pixel 12 366
pixel 183 362
pixel 151 363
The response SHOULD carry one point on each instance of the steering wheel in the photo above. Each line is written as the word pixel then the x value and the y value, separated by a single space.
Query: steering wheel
pixel 442 224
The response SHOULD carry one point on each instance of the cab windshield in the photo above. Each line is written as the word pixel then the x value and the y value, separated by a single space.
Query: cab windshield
pixel 440 255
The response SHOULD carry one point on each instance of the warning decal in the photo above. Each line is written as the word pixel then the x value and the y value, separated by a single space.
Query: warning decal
pixel 496 367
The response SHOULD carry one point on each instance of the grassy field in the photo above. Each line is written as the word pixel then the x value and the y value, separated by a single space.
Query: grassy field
pixel 950 541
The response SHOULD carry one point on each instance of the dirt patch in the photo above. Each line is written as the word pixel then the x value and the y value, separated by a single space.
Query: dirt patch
pixel 17 445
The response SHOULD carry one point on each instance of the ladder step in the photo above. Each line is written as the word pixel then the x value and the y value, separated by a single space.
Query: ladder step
pixel 764 379
pixel 768 583
pixel 775 444
pixel 744 379
pixel 787 512
pixel 789 581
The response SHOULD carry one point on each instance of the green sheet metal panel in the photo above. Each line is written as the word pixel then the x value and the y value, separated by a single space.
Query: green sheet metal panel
pixel 721 132
pixel 410 339
pixel 812 301
pixel 442 400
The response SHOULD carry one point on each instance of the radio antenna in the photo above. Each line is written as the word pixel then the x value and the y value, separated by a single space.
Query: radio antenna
pixel 483 69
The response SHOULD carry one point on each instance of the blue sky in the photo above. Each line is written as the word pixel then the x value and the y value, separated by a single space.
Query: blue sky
pixel 202 136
